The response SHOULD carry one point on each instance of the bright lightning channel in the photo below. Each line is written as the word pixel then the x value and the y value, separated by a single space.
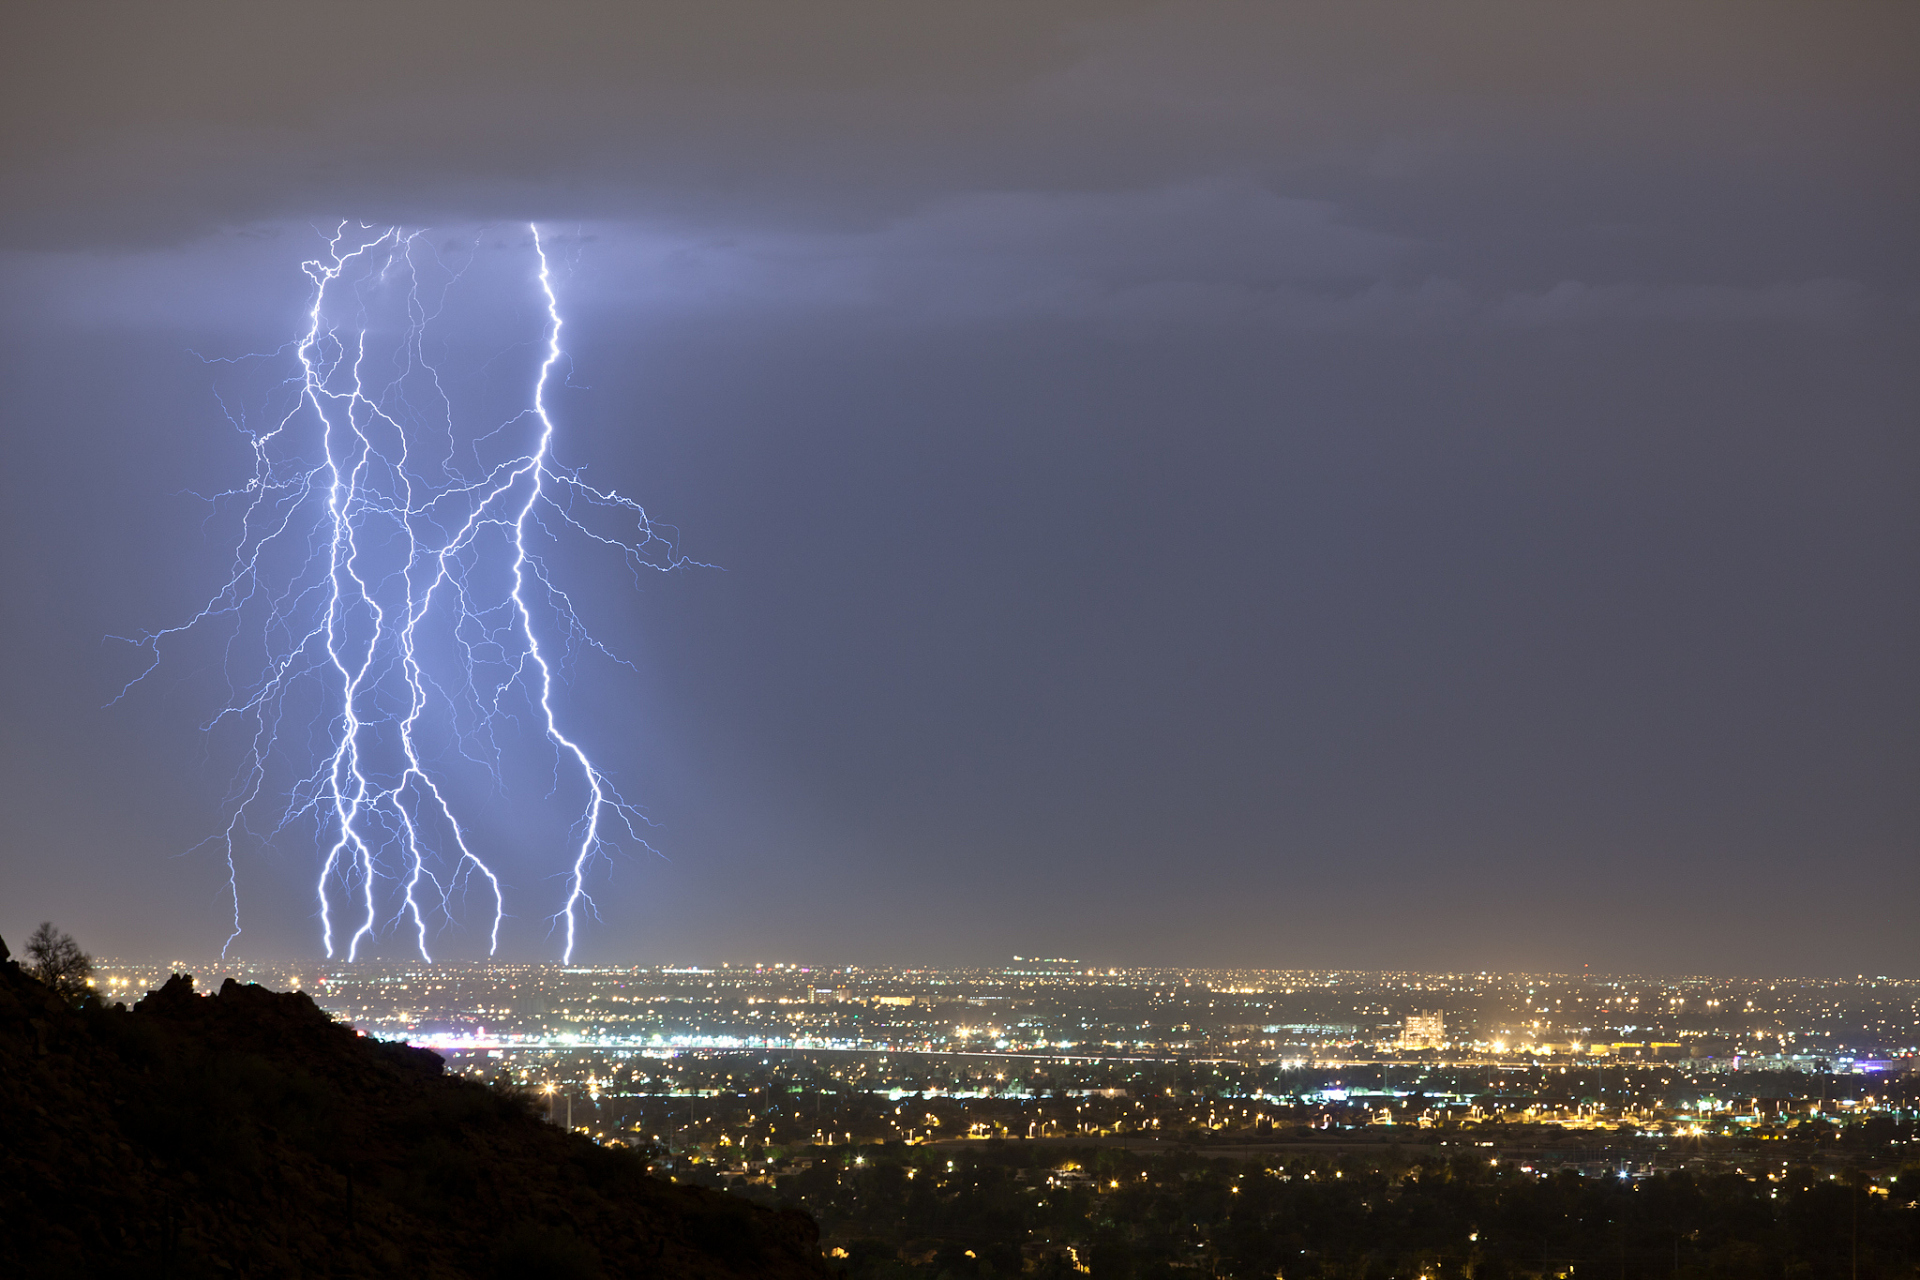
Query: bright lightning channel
pixel 386 600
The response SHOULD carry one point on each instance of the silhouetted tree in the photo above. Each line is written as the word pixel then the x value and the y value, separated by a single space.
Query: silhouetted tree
pixel 58 961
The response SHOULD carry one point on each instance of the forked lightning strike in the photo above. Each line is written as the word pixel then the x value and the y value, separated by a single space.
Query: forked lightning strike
pixel 392 598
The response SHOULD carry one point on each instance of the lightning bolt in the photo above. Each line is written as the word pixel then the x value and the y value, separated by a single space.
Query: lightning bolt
pixel 390 609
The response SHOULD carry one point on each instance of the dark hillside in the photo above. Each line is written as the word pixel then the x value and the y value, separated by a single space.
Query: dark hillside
pixel 248 1134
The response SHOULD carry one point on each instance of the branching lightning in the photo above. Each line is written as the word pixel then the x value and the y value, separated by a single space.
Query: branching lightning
pixel 390 610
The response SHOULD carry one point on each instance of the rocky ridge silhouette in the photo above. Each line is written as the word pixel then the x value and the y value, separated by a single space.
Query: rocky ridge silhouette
pixel 247 1133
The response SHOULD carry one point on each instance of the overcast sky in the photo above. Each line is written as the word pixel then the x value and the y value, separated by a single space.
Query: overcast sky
pixel 1348 484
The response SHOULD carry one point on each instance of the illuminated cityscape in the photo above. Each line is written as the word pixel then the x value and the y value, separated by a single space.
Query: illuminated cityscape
pixel 709 1064
pixel 1056 1117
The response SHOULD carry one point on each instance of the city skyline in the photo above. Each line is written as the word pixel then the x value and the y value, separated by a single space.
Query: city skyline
pixel 1076 1010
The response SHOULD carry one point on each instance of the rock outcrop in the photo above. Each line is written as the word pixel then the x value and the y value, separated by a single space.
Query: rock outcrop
pixel 249 1134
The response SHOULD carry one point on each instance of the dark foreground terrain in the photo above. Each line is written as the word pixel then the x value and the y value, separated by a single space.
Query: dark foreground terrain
pixel 991 1210
pixel 248 1134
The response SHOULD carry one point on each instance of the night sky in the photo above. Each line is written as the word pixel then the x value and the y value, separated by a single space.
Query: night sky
pixel 1348 484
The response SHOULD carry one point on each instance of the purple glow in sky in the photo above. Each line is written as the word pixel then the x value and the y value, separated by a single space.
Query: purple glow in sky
pixel 1353 484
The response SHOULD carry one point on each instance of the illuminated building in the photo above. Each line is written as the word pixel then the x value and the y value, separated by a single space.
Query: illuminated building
pixel 1423 1031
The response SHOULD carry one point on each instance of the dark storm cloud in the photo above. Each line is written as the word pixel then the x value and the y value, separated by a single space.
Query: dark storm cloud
pixel 137 122
pixel 1410 163
pixel 1125 262
pixel 1314 483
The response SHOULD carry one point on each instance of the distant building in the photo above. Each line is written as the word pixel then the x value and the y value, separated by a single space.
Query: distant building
pixel 1424 1031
